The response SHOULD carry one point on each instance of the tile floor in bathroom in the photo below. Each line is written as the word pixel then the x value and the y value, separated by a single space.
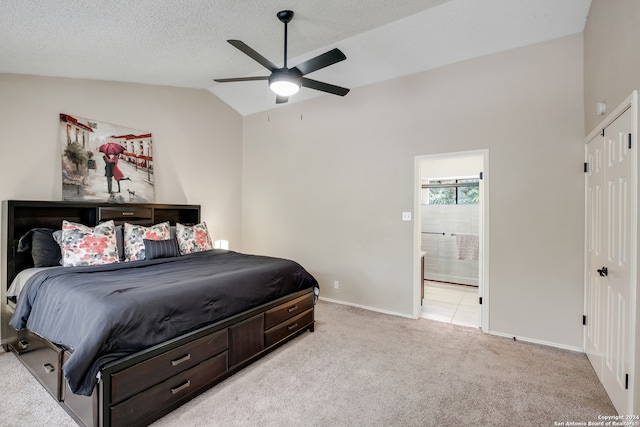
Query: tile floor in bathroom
pixel 457 304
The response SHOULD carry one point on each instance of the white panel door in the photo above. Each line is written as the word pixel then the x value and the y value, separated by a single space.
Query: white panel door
pixel 595 252
pixel 609 244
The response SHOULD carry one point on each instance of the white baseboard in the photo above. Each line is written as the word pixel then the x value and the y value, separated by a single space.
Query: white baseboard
pixel 534 341
pixel 499 334
pixel 393 313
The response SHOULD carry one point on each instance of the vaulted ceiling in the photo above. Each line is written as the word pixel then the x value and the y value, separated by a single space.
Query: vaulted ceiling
pixel 183 43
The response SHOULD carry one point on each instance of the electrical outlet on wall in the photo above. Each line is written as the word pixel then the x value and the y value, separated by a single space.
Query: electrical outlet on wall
pixel 336 284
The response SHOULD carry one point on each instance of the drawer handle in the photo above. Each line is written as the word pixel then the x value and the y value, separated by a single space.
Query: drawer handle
pixel 128 214
pixel 290 327
pixel 24 344
pixel 181 387
pixel 295 307
pixel 176 362
pixel 48 368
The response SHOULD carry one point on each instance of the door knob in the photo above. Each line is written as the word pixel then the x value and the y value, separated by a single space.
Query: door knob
pixel 604 271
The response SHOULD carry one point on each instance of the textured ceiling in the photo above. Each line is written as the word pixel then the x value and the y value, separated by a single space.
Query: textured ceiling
pixel 183 43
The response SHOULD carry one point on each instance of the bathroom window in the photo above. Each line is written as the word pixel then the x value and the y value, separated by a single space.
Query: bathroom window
pixel 451 192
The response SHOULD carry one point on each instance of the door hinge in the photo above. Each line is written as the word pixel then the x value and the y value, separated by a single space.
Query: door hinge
pixel 602 132
pixel 626 381
pixel 482 173
pixel 629 141
pixel 480 300
pixel 586 167
pixel 584 320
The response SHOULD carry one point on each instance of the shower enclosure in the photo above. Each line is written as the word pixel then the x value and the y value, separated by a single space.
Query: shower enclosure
pixel 450 227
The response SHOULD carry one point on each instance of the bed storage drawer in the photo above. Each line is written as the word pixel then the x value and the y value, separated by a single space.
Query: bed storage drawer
pixel 175 390
pixel 42 359
pixel 130 381
pixel 287 310
pixel 284 329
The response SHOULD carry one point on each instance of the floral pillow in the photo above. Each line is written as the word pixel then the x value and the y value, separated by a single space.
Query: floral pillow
pixel 194 238
pixel 134 236
pixel 82 245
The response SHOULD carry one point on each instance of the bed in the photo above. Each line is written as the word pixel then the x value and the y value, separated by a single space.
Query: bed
pixel 124 343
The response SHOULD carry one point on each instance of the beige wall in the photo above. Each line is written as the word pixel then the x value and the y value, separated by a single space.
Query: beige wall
pixel 611 56
pixel 611 73
pixel 197 141
pixel 325 182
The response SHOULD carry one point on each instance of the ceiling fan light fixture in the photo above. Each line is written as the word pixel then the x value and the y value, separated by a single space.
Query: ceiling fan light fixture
pixel 284 84
pixel 287 81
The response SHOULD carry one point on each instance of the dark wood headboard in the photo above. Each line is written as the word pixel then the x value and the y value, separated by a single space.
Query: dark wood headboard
pixel 20 216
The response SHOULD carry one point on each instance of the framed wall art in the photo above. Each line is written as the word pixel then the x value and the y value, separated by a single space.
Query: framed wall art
pixel 105 162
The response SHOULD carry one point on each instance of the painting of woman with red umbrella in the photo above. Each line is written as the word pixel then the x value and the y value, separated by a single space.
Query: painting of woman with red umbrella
pixel 128 159
pixel 112 151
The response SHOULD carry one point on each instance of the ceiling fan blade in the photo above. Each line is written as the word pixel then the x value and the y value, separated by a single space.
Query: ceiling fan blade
pixel 281 99
pixel 321 61
pixel 241 79
pixel 254 55
pixel 324 87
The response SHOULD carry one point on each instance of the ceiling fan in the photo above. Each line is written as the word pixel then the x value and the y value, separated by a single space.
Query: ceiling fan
pixel 287 81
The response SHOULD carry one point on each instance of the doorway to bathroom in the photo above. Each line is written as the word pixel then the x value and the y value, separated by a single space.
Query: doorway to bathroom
pixel 451 236
pixel 450 229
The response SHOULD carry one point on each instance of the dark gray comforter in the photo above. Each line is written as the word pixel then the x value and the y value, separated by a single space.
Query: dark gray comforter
pixel 108 311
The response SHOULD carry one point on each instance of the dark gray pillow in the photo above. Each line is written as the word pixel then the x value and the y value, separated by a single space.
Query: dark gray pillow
pixel 45 251
pixel 160 248
pixel 120 242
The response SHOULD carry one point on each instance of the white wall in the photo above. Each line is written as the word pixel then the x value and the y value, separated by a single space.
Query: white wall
pixel 197 141
pixel 325 182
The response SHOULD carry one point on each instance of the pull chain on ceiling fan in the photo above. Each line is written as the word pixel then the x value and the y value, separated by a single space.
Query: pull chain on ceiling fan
pixel 287 81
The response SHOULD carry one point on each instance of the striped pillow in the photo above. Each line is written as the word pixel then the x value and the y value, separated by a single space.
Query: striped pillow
pixel 161 248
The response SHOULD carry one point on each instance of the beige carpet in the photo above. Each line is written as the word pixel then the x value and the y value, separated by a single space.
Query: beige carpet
pixel 361 368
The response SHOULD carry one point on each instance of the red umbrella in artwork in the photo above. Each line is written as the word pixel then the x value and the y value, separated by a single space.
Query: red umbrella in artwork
pixel 111 148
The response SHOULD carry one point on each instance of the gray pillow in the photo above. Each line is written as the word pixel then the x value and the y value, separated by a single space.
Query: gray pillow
pixel 44 249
